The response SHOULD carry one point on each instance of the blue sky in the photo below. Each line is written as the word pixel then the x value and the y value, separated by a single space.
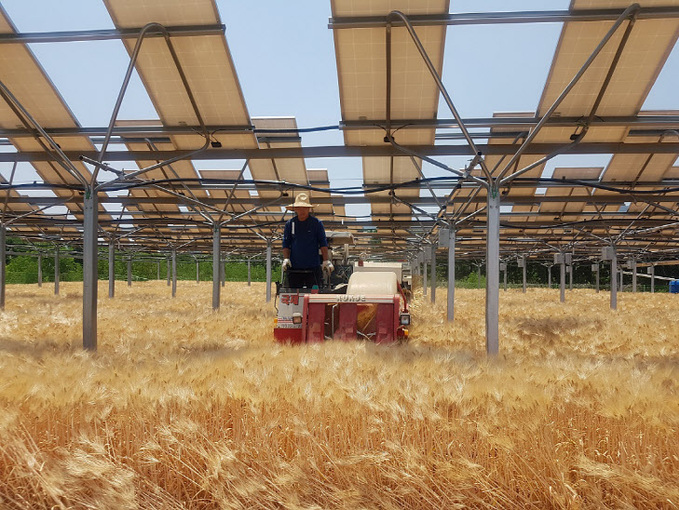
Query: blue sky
pixel 284 58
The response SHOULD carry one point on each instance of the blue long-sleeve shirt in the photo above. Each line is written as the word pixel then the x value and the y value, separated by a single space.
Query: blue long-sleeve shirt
pixel 304 239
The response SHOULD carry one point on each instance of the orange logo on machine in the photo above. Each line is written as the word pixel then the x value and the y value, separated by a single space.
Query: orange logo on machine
pixel 290 299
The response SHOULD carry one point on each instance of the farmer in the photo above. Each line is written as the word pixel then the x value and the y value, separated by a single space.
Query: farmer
pixel 302 238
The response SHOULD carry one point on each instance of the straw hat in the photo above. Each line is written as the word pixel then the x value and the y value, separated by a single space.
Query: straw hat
pixel 301 200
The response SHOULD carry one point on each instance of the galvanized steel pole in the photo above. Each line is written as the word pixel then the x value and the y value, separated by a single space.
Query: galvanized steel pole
pixel 216 244
pixel 523 265
pixel 3 264
pixel 249 274
pixel 129 271
pixel 493 271
pixel 634 275
pixel 451 276
pixel 174 273
pixel 652 278
pixel 111 269
pixel 39 269
pixel 570 276
pixel 90 269
pixel 425 271
pixel 562 283
pixel 549 277
pixel 597 277
pixel 56 270
pixel 614 281
pixel 169 276
pixel 433 273
pixel 268 271
pixel 197 271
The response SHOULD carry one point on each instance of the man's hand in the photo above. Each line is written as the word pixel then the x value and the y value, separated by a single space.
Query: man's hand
pixel 327 266
pixel 286 264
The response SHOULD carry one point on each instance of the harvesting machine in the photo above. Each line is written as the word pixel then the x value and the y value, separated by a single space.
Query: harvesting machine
pixel 357 301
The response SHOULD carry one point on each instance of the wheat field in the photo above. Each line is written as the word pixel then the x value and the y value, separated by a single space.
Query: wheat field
pixel 184 408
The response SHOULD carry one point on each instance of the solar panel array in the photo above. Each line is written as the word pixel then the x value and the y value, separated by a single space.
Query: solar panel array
pixel 386 93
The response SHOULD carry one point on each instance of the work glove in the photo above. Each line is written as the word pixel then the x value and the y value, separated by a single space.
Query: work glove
pixel 286 264
pixel 327 266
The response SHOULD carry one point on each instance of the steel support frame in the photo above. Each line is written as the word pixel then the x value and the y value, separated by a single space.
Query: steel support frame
pixel 493 272
pixel 451 276
pixel 129 271
pixel 425 272
pixel 562 279
pixel 490 18
pixel 3 265
pixel 57 270
pixel 433 273
pixel 174 273
pixel 523 267
pixel 90 270
pixel 111 269
pixel 614 280
pixel 39 269
pixel 268 270
pixel 216 265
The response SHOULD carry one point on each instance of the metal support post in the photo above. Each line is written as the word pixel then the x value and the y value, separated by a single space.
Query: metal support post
pixel 562 282
pixel 652 278
pixel 158 275
pixel 249 274
pixel 90 267
pixel 570 276
pixel 197 272
pixel 524 273
pixel 3 265
pixel 493 271
pixel 174 273
pixel 169 276
pixel 622 280
pixel 634 275
pixel 506 269
pixel 56 270
pixel 614 281
pixel 39 269
pixel 216 244
pixel 433 273
pixel 268 271
pixel 597 277
pixel 451 276
pixel 111 269
pixel 549 277
pixel 129 271
pixel 425 271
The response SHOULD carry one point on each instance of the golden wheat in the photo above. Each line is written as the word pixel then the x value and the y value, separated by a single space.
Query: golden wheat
pixel 185 408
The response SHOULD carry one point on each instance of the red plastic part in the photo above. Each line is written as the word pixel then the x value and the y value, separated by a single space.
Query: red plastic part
pixel 348 316
pixel 288 335
pixel 315 321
